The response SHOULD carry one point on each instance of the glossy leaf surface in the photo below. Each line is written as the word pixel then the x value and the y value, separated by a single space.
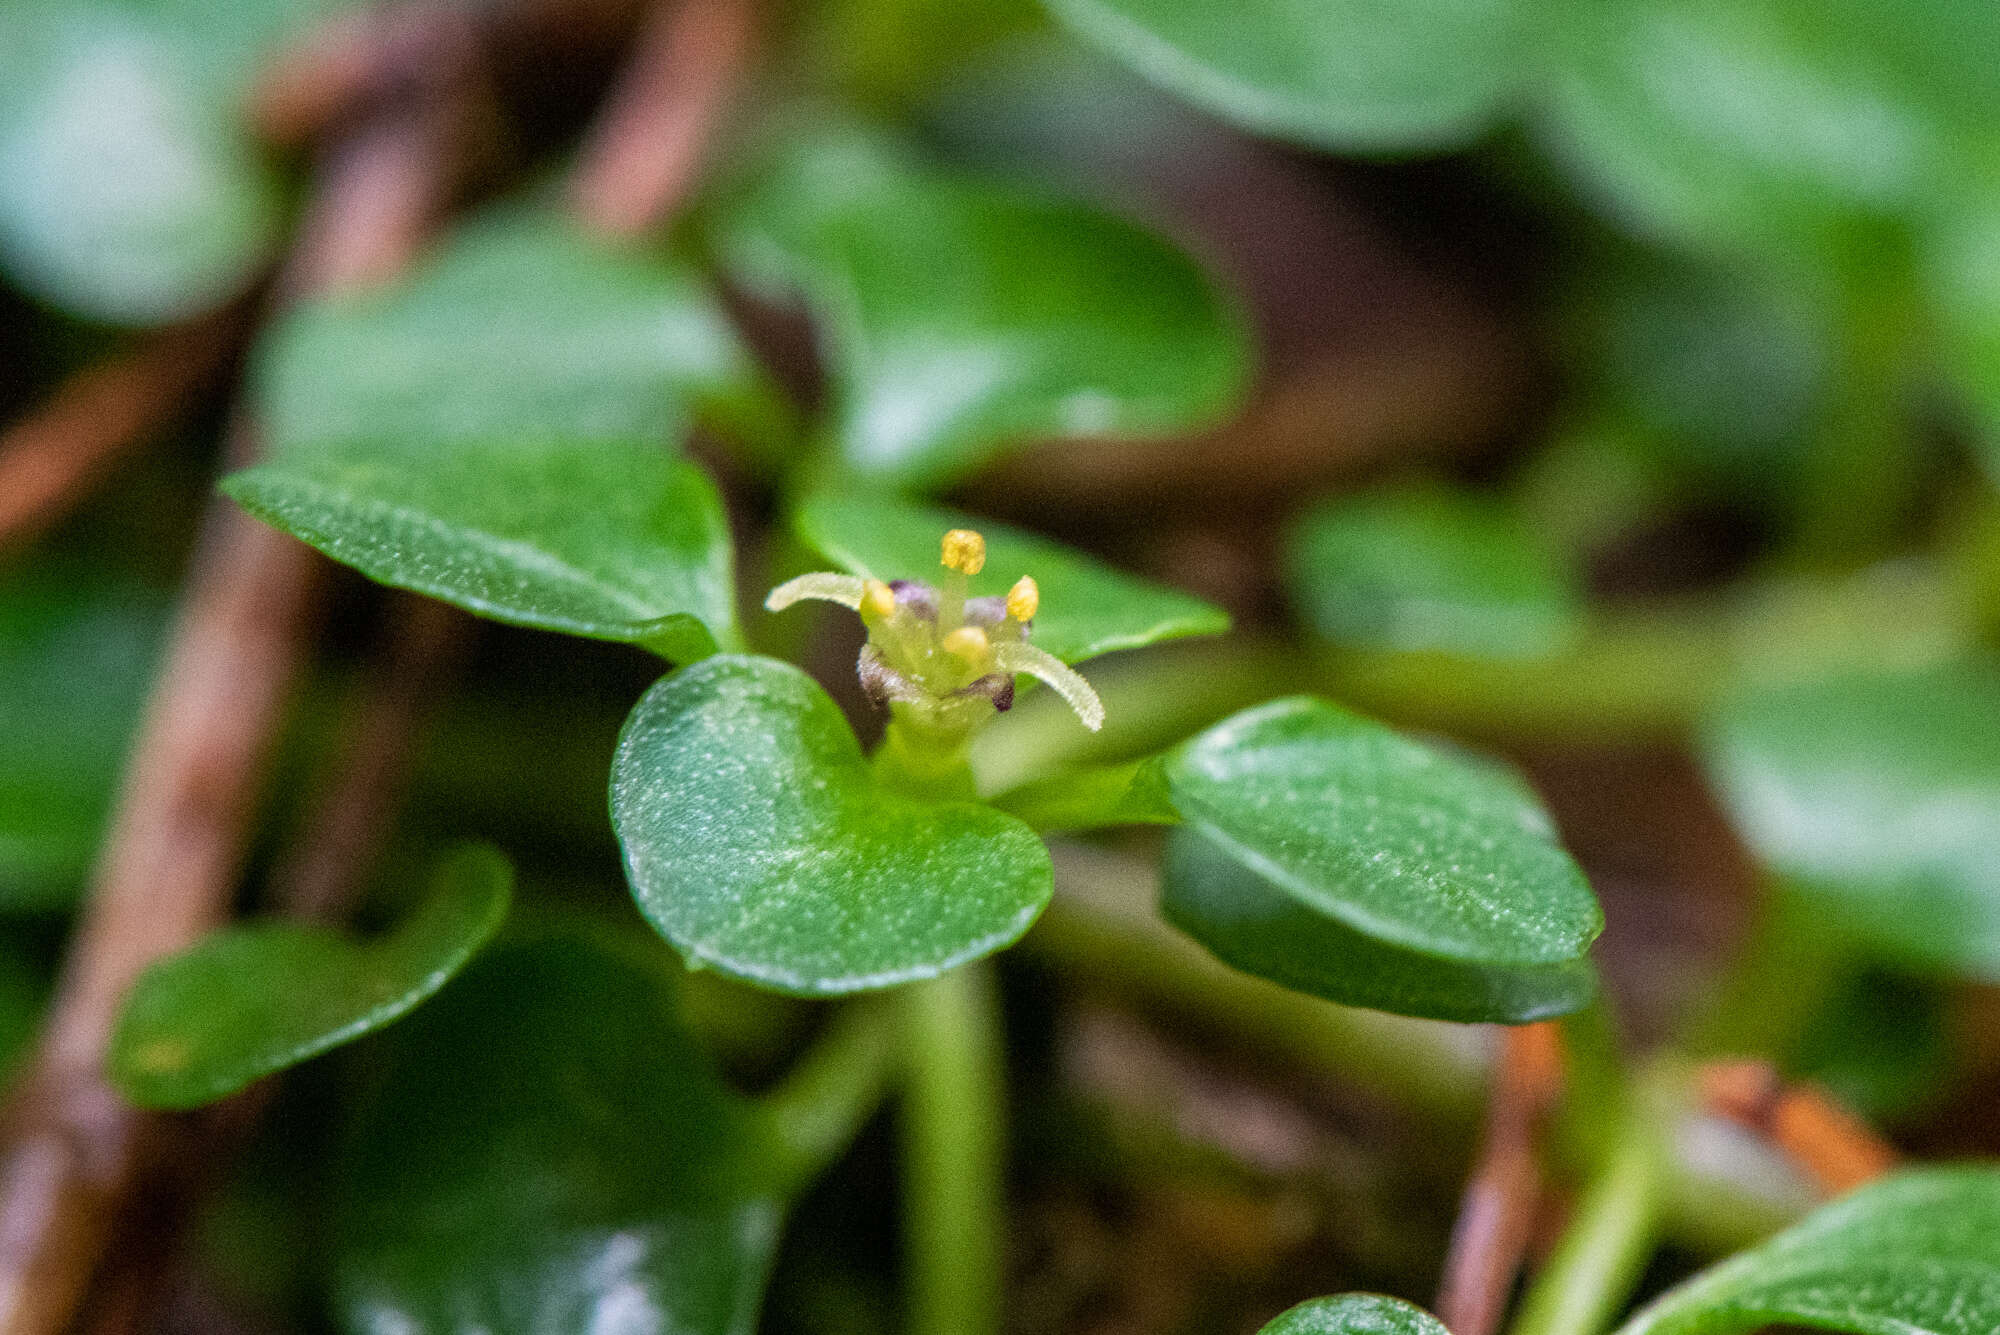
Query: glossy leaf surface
pixel 75 660
pixel 615 540
pixel 1435 853
pixel 1877 798
pixel 1087 608
pixel 521 329
pixel 1913 1254
pixel 960 318
pixel 1432 571
pixel 1257 926
pixel 759 842
pixel 547 1152
pixel 1349 75
pixel 1355 1314
pixel 252 1000
pixel 129 190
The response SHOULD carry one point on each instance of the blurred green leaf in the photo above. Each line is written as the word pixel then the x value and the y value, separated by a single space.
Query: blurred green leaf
pixel 129 190
pixel 1086 608
pixel 1256 924
pixel 1347 75
pixel 1962 267
pixel 76 656
pixel 1775 127
pixel 1876 798
pixel 1914 1254
pixel 960 318
pixel 252 1000
pixel 1432 569
pixel 1432 853
pixel 544 1152
pixel 614 540
pixel 1355 1314
pixel 759 842
pixel 521 328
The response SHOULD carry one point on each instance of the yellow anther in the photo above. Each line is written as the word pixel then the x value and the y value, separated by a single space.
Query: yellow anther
pixel 878 601
pixel 968 644
pixel 964 551
pixel 1023 599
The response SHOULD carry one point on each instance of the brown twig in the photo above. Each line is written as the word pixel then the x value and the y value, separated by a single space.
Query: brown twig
pixel 1832 1144
pixel 1497 1213
pixel 423 644
pixel 644 151
pixel 73 1149
pixel 50 459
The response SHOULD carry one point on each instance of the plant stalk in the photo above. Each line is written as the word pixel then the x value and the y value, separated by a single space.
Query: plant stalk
pixel 1591 1272
pixel 953 1153
pixel 832 1090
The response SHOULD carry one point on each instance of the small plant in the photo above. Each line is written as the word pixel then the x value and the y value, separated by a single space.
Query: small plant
pixel 649 410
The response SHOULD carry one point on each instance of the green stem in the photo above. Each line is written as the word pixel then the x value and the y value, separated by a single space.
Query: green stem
pixel 832 1090
pixel 954 1150
pixel 1591 1272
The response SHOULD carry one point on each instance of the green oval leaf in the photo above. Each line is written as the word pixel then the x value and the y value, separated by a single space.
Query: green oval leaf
pixel 1257 926
pixel 1432 570
pixel 1876 797
pixel 1914 1254
pixel 520 328
pixel 1771 127
pixel 615 540
pixel 546 1152
pixel 1406 844
pixel 1348 75
pixel 760 844
pixel 1087 608
pixel 1355 1314
pixel 128 190
pixel 961 318
pixel 76 656
pixel 249 1001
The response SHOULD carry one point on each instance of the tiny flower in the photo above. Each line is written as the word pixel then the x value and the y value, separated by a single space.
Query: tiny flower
pixel 933 651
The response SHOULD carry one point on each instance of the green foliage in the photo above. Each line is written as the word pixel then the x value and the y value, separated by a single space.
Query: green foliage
pixel 1353 75
pixel 960 318
pixel 1258 924
pixel 760 844
pixel 1877 799
pixel 1087 608
pixel 249 1001
pixel 1355 1314
pixel 1914 1254
pixel 1437 570
pixel 75 658
pixel 129 192
pixel 546 1151
pixel 521 328
pixel 1437 854
pixel 616 540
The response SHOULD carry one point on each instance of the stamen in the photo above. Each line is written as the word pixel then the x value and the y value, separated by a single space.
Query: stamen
pixel 964 551
pixel 1023 599
pixel 1056 675
pixel 878 601
pixel 969 645
pixel 823 585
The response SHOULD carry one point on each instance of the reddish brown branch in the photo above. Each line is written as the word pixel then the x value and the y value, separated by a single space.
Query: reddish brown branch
pixel 423 645
pixel 50 459
pixel 1497 1213
pixel 644 151
pixel 73 1149
pixel 1835 1147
